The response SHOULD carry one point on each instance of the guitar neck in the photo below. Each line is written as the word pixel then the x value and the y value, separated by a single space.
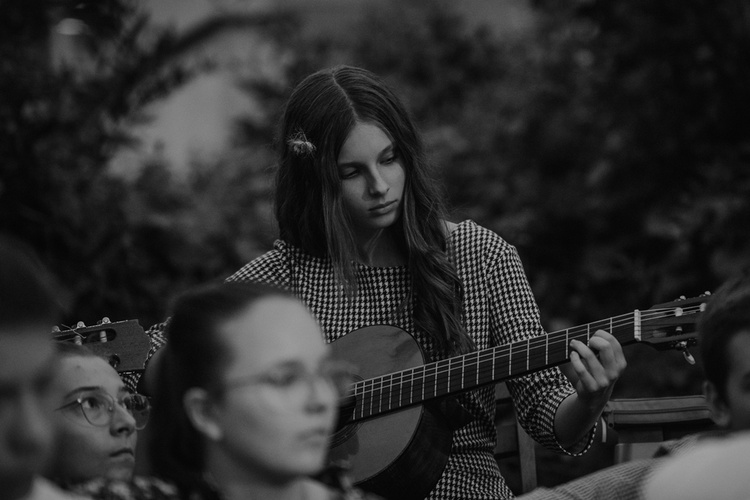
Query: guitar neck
pixel 417 385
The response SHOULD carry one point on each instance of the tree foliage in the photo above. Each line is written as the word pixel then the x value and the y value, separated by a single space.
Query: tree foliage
pixel 62 120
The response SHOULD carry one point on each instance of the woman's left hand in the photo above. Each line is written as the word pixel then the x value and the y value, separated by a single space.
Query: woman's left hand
pixel 596 366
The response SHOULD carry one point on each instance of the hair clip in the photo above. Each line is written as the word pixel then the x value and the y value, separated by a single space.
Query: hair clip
pixel 300 145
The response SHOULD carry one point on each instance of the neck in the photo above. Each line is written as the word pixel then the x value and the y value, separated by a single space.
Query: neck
pixel 380 248
pixel 241 482
pixel 295 490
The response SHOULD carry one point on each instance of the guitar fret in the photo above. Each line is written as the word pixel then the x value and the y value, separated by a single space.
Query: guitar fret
pixel 478 367
pixel 510 359
pixel 411 388
pixel 376 394
pixel 391 393
pixel 528 353
pixel 399 392
pixel 463 372
pixel 372 388
pixel 380 397
pixel 449 375
pixel 423 384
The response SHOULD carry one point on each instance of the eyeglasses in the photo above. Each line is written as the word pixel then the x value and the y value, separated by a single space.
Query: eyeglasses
pixel 98 407
pixel 293 377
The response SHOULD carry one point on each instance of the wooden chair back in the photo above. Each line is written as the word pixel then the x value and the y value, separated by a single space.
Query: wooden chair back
pixel 515 450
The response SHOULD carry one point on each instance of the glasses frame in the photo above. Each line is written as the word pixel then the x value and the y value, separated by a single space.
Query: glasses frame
pixel 340 374
pixel 140 420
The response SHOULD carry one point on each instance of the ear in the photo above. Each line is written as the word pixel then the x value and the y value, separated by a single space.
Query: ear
pixel 719 409
pixel 199 410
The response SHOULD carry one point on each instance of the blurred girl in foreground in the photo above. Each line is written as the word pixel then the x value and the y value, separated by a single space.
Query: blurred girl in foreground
pixel 246 397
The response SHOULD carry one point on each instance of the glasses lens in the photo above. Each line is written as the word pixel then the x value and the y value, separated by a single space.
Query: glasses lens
pixel 139 407
pixel 96 408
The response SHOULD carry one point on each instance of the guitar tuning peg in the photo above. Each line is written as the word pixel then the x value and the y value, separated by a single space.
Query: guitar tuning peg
pixel 688 357
pixel 682 297
pixel 55 329
pixel 682 346
pixel 104 321
pixel 80 324
pixel 706 293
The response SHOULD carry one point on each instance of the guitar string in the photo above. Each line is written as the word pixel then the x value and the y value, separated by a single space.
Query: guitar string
pixel 437 372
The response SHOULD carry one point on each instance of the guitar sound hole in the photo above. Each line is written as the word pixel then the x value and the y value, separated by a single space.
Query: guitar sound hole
pixel 344 434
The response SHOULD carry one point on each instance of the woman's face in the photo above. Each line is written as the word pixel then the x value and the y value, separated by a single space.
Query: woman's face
pixel 372 179
pixel 85 451
pixel 278 407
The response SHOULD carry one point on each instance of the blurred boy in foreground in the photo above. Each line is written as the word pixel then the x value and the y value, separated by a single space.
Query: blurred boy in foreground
pixel 28 311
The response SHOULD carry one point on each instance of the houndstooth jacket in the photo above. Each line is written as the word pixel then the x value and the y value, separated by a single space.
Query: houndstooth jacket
pixel 499 308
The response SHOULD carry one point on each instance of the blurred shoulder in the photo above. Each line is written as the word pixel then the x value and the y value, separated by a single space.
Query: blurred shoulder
pixel 42 489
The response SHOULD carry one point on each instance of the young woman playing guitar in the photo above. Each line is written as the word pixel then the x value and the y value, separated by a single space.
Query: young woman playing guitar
pixel 364 241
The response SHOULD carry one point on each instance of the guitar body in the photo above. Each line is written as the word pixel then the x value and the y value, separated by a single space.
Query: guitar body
pixel 400 454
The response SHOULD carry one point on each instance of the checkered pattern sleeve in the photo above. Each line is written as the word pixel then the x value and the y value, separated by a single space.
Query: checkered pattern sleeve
pixel 499 308
pixel 157 339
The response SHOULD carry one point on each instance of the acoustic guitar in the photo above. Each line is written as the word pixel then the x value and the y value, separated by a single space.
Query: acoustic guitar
pixel 394 438
pixel 123 344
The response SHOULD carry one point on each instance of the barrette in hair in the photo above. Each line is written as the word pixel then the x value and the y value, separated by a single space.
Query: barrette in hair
pixel 300 145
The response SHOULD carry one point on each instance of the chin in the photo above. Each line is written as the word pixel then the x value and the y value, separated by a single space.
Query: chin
pixel 310 464
pixel 120 473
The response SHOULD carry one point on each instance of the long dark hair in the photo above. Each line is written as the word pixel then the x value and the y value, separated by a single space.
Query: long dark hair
pixel 318 117
pixel 194 356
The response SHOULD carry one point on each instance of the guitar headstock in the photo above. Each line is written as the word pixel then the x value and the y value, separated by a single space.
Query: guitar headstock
pixel 123 344
pixel 673 325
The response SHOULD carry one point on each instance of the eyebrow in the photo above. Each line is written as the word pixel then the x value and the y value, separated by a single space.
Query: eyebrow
pixel 120 390
pixel 386 150
pixel 84 388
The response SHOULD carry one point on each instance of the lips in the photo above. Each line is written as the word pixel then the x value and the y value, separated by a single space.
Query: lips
pixel 122 452
pixel 316 435
pixel 383 207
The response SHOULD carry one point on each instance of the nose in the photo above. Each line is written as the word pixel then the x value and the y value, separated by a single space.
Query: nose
pixel 377 184
pixel 122 421
pixel 321 394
